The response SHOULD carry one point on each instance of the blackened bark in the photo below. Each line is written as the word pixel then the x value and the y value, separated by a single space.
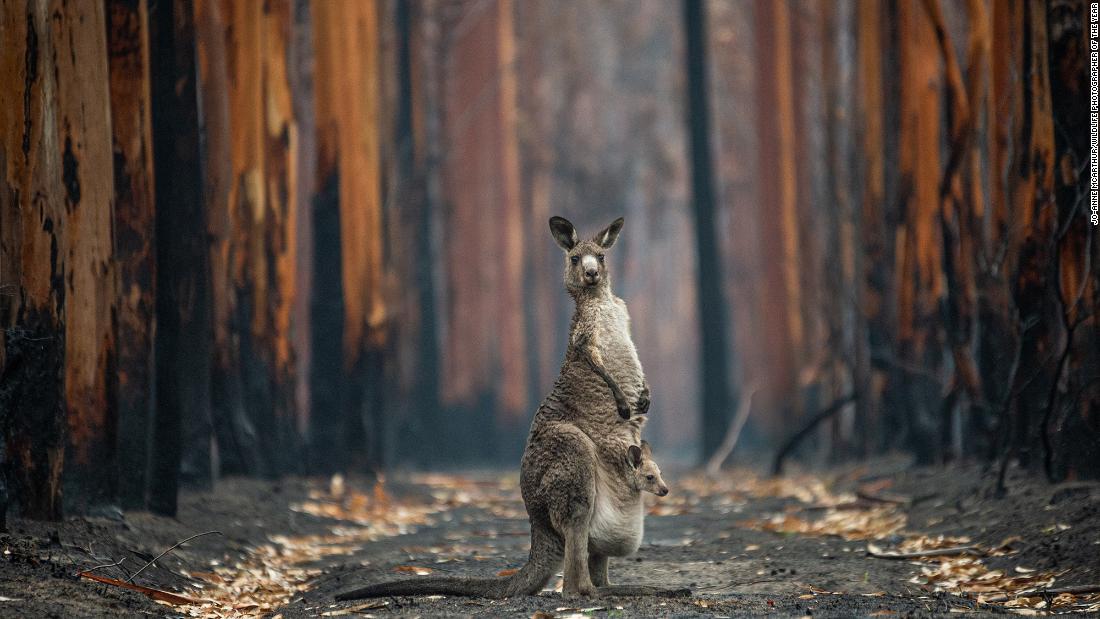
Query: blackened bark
pixel 128 58
pixel 713 322
pixel 327 440
pixel 183 339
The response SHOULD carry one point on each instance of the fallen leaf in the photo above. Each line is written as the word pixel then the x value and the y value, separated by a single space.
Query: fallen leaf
pixel 156 594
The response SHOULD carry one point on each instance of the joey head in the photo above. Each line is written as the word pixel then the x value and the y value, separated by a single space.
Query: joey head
pixel 647 475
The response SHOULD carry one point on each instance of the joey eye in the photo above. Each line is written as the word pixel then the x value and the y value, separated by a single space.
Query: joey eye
pixel 574 259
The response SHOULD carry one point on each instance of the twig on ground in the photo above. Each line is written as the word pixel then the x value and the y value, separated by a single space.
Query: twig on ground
pixel 733 433
pixel 168 550
pixel 99 567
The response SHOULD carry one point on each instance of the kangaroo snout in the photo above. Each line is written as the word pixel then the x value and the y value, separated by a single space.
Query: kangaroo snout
pixel 591 275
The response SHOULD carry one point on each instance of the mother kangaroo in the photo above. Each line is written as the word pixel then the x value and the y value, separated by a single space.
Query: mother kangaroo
pixel 575 477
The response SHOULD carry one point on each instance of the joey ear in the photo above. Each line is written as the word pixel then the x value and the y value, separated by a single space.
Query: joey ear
pixel 635 454
pixel 647 451
pixel 564 232
pixel 606 238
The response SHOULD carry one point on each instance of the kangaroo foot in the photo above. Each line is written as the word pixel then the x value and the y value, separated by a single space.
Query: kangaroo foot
pixel 642 590
pixel 585 591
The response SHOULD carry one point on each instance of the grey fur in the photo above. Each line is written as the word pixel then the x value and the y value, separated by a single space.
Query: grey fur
pixel 577 479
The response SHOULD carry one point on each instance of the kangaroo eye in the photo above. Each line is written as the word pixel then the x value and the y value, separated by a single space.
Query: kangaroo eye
pixel 599 257
pixel 575 259
pixel 649 478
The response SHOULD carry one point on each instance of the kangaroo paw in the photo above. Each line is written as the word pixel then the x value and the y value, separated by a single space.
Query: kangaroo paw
pixel 624 409
pixel 642 405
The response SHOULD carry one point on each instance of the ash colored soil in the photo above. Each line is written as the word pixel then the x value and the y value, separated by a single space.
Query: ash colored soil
pixel 732 570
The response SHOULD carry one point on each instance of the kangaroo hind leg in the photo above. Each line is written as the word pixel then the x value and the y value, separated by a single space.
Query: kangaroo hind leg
pixel 597 569
pixel 578 583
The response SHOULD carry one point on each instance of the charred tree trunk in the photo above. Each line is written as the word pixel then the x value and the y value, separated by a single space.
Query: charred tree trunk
pixel 32 266
pixel 135 247
pixel 919 274
pixel 874 337
pixel 1033 242
pixel 1070 430
pixel 58 277
pixel 347 223
pixel 84 131
pixel 239 447
pixel 713 322
pixel 183 339
pixel 780 304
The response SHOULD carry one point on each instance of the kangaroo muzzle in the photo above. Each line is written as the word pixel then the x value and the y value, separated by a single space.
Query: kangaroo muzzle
pixel 591 269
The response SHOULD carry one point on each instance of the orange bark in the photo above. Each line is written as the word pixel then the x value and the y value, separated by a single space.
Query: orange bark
pixel 347 136
pixel 920 274
pixel 780 301
pixel 84 128
pixel 33 226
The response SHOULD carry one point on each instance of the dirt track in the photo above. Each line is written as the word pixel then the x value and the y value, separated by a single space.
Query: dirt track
pixel 290 546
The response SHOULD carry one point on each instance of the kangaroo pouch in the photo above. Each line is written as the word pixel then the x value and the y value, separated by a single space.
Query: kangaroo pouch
pixel 617 522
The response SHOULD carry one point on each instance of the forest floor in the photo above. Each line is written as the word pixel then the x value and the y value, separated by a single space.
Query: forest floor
pixel 746 545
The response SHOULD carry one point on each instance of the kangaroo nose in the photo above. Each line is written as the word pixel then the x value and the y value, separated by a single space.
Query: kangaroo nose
pixel 591 272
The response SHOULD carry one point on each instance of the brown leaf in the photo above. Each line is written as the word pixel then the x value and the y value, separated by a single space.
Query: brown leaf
pixel 156 594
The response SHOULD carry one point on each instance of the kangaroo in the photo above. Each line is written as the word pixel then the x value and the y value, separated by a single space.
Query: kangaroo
pixel 580 491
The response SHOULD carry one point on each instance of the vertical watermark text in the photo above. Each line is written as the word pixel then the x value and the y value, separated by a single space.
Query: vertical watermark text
pixel 1094 112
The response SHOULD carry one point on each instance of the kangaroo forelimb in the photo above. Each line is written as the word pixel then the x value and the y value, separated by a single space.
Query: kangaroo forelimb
pixel 592 357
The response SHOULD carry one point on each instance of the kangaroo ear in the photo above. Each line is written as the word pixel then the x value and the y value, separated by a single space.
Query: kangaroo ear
pixel 564 232
pixel 646 450
pixel 606 238
pixel 635 454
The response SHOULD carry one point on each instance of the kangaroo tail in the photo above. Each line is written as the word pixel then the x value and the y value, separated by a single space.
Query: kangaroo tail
pixel 543 562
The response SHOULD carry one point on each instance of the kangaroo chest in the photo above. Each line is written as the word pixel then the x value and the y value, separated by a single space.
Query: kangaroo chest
pixel 612 326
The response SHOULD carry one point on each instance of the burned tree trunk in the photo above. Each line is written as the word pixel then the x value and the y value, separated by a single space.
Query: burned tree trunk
pixel 84 131
pixel 875 295
pixel 1071 427
pixel 131 123
pixel 238 442
pixel 349 316
pixel 713 321
pixel 183 292
pixel 780 298
pixel 1032 241
pixel 58 279
pixel 920 284
pixel 32 266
